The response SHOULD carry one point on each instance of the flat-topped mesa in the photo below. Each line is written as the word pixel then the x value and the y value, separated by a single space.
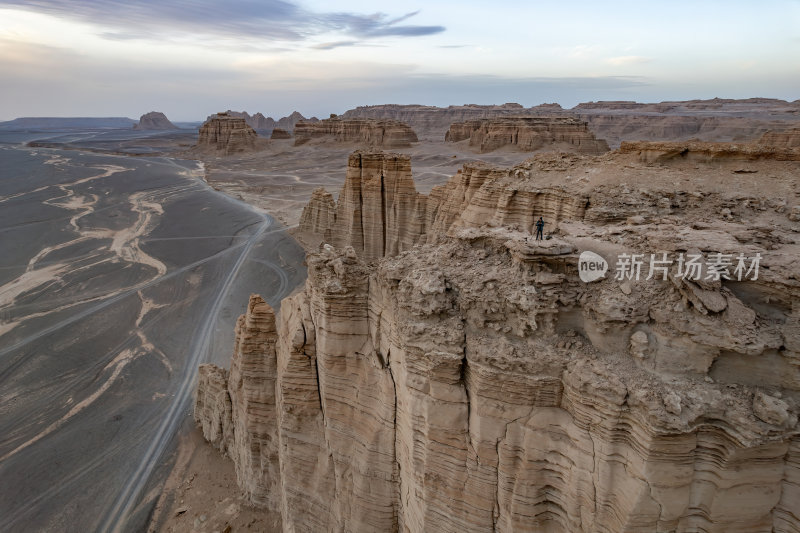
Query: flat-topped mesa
pixel 527 134
pixel 660 152
pixel 366 132
pixel 226 135
pixel 154 120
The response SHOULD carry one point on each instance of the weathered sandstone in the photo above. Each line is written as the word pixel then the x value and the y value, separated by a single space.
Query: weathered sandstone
pixel 782 139
pixel 267 124
pixel 226 135
pixel 475 383
pixel 371 133
pixel 709 120
pixel 279 133
pixel 527 134
pixel 379 211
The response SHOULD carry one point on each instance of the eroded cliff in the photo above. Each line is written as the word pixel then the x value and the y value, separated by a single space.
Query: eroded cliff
pixel 225 134
pixel 370 133
pixel 527 134
pixel 476 383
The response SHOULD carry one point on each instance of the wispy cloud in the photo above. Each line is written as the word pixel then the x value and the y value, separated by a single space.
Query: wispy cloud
pixel 622 61
pixel 262 19
pixel 334 44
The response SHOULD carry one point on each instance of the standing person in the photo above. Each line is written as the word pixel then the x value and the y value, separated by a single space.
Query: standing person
pixel 540 229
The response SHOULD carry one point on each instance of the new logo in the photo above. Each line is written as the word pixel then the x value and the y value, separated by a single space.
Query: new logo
pixel 591 266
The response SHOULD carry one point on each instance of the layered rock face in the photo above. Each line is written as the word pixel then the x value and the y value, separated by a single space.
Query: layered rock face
pixel 371 133
pixel 236 410
pixel 225 134
pixel 709 120
pixel 279 133
pixel 477 384
pixel 379 211
pixel 268 124
pixel 527 134
pixel 782 139
pixel 776 147
pixel 154 120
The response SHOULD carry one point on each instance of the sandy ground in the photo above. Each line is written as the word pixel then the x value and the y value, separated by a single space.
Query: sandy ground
pixel 118 276
pixel 201 494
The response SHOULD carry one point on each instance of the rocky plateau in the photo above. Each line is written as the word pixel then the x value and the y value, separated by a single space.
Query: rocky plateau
pixel 616 121
pixel 443 371
pixel 364 132
pixel 527 134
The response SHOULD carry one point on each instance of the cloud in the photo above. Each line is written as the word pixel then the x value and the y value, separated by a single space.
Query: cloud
pixel 332 45
pixel 260 19
pixel 622 61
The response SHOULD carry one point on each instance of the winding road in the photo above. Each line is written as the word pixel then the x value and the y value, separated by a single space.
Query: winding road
pixel 118 278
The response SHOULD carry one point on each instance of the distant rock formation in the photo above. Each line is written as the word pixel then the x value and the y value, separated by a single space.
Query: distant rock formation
pixel 154 120
pixel 527 134
pixel 280 133
pixel 781 139
pixel 650 152
pixel 709 120
pixel 372 133
pixel 267 124
pixel 434 121
pixel 226 135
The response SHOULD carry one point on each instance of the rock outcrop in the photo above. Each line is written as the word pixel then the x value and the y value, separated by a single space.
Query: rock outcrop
pixel 379 211
pixel 651 152
pixel 225 135
pixel 280 133
pixel 710 120
pixel 369 133
pixel 267 124
pixel 527 134
pixel 782 139
pixel 154 120
pixel 475 383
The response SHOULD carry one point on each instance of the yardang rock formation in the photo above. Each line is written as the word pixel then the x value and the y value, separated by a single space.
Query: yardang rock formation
pixel 370 133
pixel 451 374
pixel 527 134
pixel 225 135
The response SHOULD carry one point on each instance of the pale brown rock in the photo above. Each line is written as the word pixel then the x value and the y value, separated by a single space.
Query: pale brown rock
pixel 267 124
pixel 369 133
pixel 238 414
pixel 782 139
pixel 527 134
pixel 379 211
pixel 279 133
pixel 659 152
pixel 710 120
pixel 469 381
pixel 225 135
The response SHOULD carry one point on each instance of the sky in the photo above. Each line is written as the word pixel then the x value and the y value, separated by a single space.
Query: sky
pixel 193 58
